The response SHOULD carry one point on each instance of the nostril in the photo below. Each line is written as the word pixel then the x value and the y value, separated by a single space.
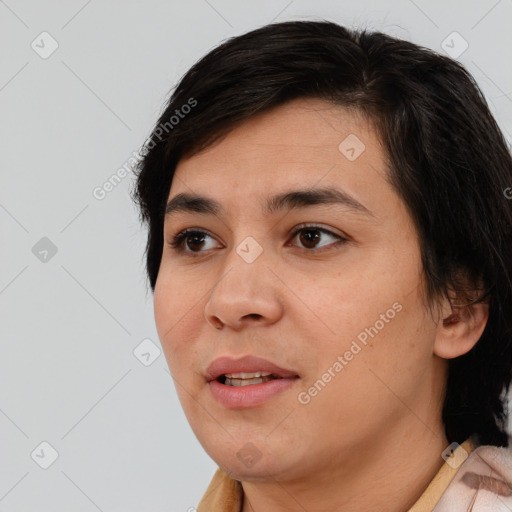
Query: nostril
pixel 256 316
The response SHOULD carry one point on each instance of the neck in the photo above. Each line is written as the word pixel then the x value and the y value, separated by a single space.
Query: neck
pixel 388 475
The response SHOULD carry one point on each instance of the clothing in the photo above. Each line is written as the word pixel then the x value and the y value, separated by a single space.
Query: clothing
pixel 481 483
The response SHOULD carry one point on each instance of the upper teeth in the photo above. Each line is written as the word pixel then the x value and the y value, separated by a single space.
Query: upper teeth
pixel 243 375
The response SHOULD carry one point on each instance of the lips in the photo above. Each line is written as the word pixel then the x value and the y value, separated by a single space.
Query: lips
pixel 247 364
pixel 231 384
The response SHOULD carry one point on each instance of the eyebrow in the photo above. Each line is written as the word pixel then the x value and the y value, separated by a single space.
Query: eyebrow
pixel 192 203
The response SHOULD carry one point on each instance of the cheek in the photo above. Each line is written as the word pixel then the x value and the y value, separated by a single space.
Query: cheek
pixel 164 304
pixel 179 319
pixel 377 379
pixel 170 309
pixel 174 301
pixel 373 309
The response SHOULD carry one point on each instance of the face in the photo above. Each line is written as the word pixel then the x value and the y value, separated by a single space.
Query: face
pixel 327 289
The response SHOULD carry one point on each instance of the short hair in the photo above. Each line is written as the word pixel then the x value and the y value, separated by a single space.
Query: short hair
pixel 446 158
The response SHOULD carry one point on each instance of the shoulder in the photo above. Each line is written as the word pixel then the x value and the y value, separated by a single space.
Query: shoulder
pixel 483 483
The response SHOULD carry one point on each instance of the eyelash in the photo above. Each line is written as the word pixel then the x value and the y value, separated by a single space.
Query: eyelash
pixel 177 241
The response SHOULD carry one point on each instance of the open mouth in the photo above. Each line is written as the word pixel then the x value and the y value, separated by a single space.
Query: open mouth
pixel 246 390
pixel 246 379
pixel 249 381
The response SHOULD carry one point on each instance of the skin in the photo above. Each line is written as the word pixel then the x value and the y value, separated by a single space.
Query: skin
pixel 372 438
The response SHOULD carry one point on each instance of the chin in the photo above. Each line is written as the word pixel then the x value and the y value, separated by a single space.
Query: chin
pixel 248 463
pixel 259 472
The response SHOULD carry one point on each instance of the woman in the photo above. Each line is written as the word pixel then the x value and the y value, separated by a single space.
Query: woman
pixel 330 245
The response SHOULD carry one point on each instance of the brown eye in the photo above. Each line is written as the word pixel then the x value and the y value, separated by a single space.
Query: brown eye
pixel 190 241
pixel 194 240
pixel 310 236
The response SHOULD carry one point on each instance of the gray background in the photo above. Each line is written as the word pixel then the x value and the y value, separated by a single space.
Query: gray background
pixel 70 321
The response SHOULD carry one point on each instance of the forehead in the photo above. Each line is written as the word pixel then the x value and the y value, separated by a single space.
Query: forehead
pixel 302 128
pixel 306 143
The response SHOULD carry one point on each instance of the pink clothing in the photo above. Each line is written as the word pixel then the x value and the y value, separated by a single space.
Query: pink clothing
pixel 482 484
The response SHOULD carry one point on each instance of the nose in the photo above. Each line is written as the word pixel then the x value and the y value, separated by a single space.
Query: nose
pixel 245 294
